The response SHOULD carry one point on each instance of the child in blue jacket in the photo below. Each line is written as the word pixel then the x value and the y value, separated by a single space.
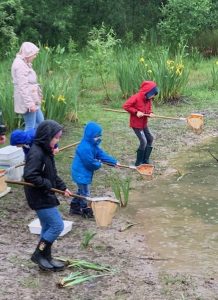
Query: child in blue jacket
pixel 88 158
pixel 24 139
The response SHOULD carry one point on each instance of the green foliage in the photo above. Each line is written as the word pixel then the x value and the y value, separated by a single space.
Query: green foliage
pixel 214 75
pixel 46 21
pixel 76 278
pixel 88 236
pixel 207 42
pixel 127 71
pixel 120 188
pixel 195 57
pixel 184 19
pixel 170 73
pixel 10 14
pixel 6 97
pixel 60 87
pixel 101 45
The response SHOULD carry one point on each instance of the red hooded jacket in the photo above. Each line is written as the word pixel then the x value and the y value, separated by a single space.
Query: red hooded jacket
pixel 138 102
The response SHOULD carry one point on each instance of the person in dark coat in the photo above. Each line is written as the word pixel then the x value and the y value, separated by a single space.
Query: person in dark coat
pixel 40 170
pixel 24 139
pixel 138 105
pixel 88 158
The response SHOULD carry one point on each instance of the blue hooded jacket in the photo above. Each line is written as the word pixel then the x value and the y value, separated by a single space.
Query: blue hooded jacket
pixel 88 155
pixel 21 137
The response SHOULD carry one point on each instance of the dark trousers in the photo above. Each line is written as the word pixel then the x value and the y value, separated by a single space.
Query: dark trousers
pixel 83 190
pixel 145 137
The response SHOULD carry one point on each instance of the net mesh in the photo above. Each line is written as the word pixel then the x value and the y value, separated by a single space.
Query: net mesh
pixel 145 169
pixel 196 123
pixel 104 212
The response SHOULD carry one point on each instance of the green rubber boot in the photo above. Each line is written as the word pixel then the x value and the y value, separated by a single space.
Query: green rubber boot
pixel 146 155
pixel 139 157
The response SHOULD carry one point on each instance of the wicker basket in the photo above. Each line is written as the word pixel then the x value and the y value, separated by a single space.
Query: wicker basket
pixel 104 212
pixel 3 184
pixel 4 189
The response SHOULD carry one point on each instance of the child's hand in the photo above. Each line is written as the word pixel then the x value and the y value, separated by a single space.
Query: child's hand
pixel 151 115
pixel 140 114
pixel 67 193
pixel 117 165
pixel 55 151
pixel 33 108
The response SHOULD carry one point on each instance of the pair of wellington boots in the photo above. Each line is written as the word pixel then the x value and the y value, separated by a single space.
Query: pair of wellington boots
pixel 86 212
pixel 43 258
pixel 143 156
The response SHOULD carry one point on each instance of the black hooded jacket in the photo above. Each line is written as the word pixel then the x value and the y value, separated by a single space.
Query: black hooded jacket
pixel 40 168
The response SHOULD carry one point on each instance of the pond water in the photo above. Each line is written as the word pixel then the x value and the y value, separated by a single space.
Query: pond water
pixel 179 213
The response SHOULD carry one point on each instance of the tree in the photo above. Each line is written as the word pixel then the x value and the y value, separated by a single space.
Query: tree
pixel 10 16
pixel 183 19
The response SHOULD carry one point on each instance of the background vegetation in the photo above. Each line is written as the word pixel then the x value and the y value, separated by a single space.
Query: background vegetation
pixel 95 53
pixel 56 22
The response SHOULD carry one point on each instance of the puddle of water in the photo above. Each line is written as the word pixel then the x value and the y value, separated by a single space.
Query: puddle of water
pixel 180 212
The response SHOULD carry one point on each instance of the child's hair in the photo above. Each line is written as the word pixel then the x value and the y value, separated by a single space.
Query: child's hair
pixel 152 92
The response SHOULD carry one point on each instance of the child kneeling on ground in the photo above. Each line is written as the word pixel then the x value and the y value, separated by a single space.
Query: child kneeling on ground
pixel 40 170
pixel 88 158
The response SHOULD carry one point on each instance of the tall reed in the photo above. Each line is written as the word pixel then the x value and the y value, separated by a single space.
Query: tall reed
pixel 120 188
pixel 169 72
pixel 11 119
pixel 214 75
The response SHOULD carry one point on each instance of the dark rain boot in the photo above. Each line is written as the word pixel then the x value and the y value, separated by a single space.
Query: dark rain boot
pixel 139 157
pixel 147 154
pixel 57 265
pixel 39 258
pixel 87 213
pixel 75 209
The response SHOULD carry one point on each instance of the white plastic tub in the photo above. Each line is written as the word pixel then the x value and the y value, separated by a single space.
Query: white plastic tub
pixel 35 227
pixel 11 156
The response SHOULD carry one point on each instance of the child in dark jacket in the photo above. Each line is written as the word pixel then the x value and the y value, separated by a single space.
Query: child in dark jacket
pixel 40 170
pixel 24 139
pixel 88 158
pixel 138 105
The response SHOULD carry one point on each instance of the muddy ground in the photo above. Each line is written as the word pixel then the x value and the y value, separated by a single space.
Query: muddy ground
pixel 136 275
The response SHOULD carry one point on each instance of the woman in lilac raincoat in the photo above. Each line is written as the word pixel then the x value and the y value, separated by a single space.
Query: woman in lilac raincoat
pixel 27 91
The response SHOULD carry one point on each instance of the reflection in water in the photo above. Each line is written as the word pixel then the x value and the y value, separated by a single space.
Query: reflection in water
pixel 180 212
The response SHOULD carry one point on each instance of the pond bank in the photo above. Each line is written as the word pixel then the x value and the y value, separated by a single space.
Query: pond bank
pixel 138 275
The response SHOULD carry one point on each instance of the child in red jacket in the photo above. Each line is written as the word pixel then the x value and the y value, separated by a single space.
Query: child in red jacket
pixel 138 105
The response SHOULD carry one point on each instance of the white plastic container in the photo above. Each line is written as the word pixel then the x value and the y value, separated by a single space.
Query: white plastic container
pixel 35 227
pixel 11 156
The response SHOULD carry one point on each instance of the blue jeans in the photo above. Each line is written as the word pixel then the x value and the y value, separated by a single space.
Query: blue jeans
pixel 83 190
pixel 33 119
pixel 51 222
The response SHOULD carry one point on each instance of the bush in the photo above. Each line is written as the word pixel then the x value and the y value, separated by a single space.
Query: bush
pixel 183 20
pixel 207 43
pixel 10 15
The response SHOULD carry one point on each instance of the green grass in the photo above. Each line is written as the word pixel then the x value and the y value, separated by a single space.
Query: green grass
pixel 118 139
